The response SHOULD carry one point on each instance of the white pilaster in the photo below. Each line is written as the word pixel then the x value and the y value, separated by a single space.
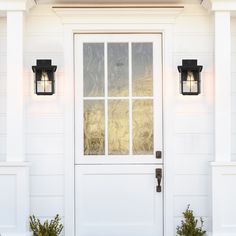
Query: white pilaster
pixel 223 169
pixel 222 87
pixel 15 127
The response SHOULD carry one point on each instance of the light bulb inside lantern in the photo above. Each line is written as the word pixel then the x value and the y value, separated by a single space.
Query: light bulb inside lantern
pixel 190 85
pixel 46 82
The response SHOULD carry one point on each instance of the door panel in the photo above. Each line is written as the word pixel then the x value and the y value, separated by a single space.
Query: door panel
pixel 117 200
pixel 118 129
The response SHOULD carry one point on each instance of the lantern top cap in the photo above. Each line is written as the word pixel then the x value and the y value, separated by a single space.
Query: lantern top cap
pixel 44 64
pixel 190 65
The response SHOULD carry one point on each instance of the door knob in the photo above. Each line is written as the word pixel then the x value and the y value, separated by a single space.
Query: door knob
pixel 158 177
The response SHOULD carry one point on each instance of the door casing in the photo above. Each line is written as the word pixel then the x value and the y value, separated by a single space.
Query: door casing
pixel 163 25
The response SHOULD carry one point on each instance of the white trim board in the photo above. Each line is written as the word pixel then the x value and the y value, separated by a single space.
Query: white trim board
pixel 78 22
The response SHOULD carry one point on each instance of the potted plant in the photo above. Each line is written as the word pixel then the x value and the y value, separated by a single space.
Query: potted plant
pixel 52 228
pixel 189 226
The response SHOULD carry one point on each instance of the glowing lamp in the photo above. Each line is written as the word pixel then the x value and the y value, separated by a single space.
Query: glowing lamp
pixel 44 77
pixel 190 77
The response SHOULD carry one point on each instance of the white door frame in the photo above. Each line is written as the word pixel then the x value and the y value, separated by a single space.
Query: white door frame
pixel 98 21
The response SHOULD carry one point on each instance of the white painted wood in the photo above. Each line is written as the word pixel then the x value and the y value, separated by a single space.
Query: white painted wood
pixel 128 27
pixel 44 144
pixel 47 124
pixel 194 123
pixel 194 143
pixel 152 15
pixel 46 165
pixel 132 188
pixel 226 5
pixel 223 178
pixel 15 103
pixel 47 206
pixel 16 5
pixel 53 186
pixel 14 200
pixel 178 110
pixel 99 1
pixel 199 205
pixel 121 175
pixel 191 185
pixel 194 164
pixel 222 86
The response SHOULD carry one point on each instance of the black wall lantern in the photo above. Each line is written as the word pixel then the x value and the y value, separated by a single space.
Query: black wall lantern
pixel 44 77
pixel 190 77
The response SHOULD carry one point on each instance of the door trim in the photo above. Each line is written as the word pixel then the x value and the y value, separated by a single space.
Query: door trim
pixel 163 27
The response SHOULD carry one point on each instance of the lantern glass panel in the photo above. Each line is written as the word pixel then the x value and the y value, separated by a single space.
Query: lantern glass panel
pixel 190 82
pixel 45 82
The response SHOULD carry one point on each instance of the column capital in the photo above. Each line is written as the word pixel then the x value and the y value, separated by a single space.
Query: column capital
pixel 16 5
pixel 220 5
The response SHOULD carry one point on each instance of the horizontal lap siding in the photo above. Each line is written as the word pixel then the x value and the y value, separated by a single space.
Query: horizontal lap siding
pixel 194 116
pixel 44 128
pixel 3 74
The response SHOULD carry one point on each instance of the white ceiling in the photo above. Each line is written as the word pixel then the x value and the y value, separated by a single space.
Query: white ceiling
pixel 116 1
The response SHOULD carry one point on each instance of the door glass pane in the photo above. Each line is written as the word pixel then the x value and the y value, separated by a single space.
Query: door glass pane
pixel 94 127
pixel 118 70
pixel 142 126
pixel 118 127
pixel 93 69
pixel 142 69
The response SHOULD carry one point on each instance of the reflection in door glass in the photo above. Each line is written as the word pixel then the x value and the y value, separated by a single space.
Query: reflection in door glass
pixel 118 127
pixel 118 70
pixel 142 126
pixel 142 69
pixel 94 127
pixel 93 69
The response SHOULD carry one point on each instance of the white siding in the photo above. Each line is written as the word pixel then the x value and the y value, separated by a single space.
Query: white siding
pixel 194 117
pixel 44 115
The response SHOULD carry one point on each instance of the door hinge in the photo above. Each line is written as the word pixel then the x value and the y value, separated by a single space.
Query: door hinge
pixel 158 154
pixel 158 177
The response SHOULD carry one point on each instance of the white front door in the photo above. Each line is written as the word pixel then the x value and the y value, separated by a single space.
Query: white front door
pixel 118 135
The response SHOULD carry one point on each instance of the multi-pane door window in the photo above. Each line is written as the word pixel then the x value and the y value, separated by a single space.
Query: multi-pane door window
pixel 118 98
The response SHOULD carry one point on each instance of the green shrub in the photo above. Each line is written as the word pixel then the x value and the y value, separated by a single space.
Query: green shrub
pixel 189 226
pixel 52 228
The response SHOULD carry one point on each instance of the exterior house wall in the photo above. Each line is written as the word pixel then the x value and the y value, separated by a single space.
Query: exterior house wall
pixel 44 116
pixel 194 117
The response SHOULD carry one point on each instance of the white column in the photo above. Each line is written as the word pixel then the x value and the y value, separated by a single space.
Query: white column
pixel 15 127
pixel 222 87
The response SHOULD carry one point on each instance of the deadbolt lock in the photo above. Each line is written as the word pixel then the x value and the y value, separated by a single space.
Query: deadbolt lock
pixel 158 154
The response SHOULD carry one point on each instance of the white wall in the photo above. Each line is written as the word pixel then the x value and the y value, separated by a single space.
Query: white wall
pixel 44 115
pixel 194 118
pixel 193 134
